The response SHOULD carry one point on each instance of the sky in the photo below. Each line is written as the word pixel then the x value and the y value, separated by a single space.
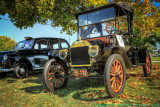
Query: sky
pixel 8 29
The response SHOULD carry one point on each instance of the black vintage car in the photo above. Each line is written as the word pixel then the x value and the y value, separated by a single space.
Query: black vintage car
pixel 29 55
pixel 103 50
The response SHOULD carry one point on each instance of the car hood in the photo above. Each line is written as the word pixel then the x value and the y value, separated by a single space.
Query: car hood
pixel 6 52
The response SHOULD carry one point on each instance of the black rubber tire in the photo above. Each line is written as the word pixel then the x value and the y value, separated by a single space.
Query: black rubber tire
pixel 107 70
pixel 146 74
pixel 3 74
pixel 45 74
pixel 17 72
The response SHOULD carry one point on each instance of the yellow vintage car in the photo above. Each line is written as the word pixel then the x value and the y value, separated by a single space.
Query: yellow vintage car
pixel 103 50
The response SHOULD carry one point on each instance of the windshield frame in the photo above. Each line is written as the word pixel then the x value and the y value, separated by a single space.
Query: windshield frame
pixel 113 19
pixel 24 42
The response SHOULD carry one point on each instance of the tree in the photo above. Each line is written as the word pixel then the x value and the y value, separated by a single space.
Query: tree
pixel 151 40
pixel 6 43
pixel 25 13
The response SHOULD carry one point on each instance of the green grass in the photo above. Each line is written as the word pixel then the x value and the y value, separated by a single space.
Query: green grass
pixel 31 91
pixel 155 58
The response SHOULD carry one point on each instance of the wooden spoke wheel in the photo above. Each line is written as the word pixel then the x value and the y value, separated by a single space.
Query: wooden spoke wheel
pixel 148 66
pixel 115 75
pixel 54 75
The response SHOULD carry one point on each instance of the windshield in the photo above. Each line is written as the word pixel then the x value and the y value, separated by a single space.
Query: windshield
pixel 98 23
pixel 26 44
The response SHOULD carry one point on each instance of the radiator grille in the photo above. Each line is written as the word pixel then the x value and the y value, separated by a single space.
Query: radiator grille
pixel 80 56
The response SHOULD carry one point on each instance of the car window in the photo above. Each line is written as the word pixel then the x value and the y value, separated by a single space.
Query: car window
pixel 26 44
pixel 20 45
pixel 64 45
pixel 54 44
pixel 41 44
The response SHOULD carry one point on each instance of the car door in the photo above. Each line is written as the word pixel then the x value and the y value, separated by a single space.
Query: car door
pixel 54 45
pixel 40 51
pixel 64 44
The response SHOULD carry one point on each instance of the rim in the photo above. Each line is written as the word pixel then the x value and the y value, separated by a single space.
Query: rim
pixel 21 71
pixel 148 64
pixel 55 73
pixel 116 76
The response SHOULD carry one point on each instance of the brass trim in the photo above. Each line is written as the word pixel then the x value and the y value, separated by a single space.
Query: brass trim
pixel 65 53
pixel 97 48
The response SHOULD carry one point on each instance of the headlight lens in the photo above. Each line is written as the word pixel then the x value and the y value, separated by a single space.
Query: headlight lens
pixel 5 57
pixel 62 54
pixel 93 51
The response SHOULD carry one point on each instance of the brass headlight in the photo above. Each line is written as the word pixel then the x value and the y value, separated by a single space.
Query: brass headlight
pixel 62 54
pixel 93 50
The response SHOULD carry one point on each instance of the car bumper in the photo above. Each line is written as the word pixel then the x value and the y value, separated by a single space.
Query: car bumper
pixel 6 70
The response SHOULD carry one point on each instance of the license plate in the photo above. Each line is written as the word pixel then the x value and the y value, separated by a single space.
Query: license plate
pixel 80 73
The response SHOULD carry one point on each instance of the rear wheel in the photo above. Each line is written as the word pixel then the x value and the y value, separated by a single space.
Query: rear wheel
pixel 148 66
pixel 21 70
pixel 115 75
pixel 54 74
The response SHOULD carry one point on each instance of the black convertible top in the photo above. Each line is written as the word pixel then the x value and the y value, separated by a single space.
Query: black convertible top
pixel 121 5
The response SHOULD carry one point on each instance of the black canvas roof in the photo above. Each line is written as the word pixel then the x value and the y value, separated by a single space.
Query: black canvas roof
pixel 121 5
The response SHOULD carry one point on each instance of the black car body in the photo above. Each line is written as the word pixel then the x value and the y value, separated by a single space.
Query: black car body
pixel 32 52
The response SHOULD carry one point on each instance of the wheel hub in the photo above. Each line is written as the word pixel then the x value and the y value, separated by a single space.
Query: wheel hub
pixel 57 75
pixel 22 70
pixel 116 75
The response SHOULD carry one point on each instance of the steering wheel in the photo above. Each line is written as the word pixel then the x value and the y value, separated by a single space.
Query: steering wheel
pixel 110 28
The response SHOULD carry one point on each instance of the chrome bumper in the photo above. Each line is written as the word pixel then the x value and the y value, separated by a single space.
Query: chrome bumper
pixel 6 70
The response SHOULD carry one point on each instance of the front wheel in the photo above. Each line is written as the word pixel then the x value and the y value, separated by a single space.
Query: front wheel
pixel 21 70
pixel 54 74
pixel 115 75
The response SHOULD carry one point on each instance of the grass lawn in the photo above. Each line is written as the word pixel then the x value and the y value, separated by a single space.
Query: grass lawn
pixel 155 58
pixel 31 91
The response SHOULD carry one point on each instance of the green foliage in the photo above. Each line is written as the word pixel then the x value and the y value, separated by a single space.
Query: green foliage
pixel 155 58
pixel 139 41
pixel 6 43
pixel 25 13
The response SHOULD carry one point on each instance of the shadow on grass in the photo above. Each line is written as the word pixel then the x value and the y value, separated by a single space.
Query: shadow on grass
pixel 153 82
pixel 81 89
pixel 74 85
pixel 84 89
pixel 134 75
pixel 9 78
pixel 92 95
pixel 9 74
pixel 35 89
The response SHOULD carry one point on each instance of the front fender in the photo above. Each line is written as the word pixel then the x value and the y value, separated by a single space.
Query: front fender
pixel 28 61
pixel 116 50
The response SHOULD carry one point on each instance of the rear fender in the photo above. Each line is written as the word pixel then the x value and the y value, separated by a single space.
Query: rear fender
pixel 142 54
